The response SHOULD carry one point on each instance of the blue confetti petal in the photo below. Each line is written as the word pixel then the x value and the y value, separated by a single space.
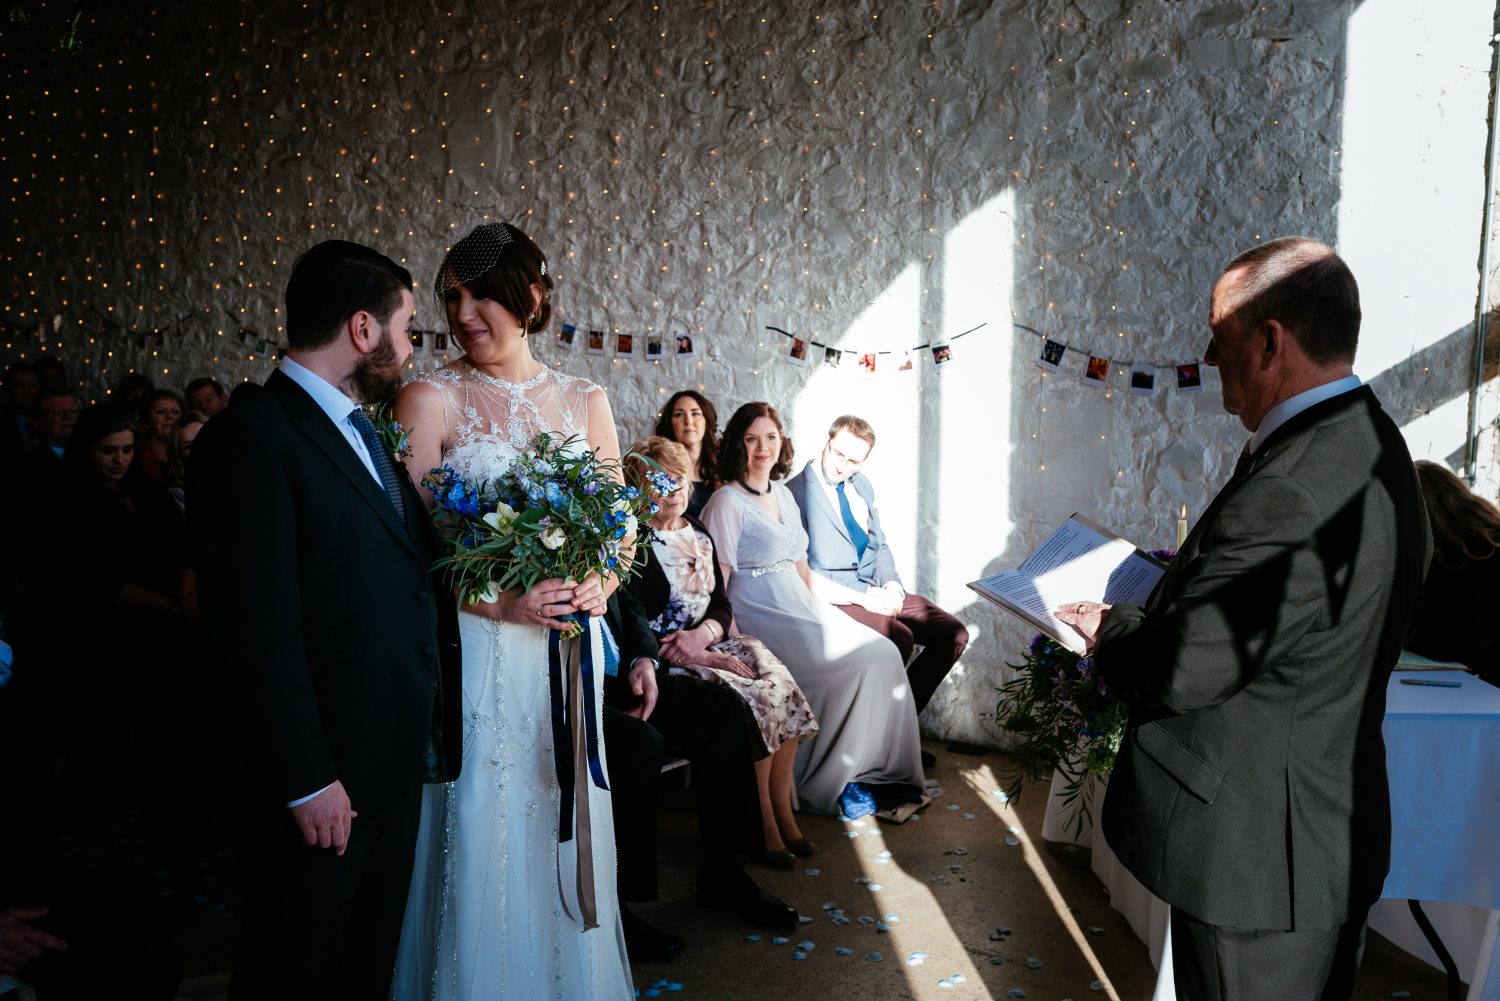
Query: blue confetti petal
pixel 814 872
pixel 844 950
pixel 829 905
pixel 780 940
pixel 968 816
pixel 960 851
pixel 997 961
pixel 875 888
pixel 893 918
pixel 1011 840
pixel 1015 992
pixel 873 957
pixel 953 807
pixel 866 920
pixel 798 954
pixel 807 945
pixel 1096 985
pixel 916 959
pixel 851 834
pixel 1033 962
pixel 882 926
pixel 803 919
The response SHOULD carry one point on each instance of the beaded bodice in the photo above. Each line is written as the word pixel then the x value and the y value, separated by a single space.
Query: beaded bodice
pixel 490 421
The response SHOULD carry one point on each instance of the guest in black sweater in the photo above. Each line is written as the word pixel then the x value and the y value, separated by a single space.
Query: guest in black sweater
pixel 1463 582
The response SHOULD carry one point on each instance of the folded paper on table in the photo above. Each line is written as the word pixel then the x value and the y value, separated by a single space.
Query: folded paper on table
pixel 1081 561
pixel 1416 662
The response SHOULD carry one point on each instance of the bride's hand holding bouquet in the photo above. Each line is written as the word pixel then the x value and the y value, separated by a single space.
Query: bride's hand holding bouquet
pixel 544 542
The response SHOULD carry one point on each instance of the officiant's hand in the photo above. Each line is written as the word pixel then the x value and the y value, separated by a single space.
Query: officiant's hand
pixel 1084 616
pixel 325 819
pixel 591 597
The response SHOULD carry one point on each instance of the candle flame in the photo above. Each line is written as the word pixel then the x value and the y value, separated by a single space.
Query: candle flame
pixel 1184 512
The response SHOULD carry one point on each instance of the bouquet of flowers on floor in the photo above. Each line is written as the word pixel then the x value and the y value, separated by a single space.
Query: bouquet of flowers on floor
pixel 1066 719
pixel 556 511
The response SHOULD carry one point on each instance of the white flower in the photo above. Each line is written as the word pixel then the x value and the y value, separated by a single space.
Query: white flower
pixel 491 594
pixel 502 515
pixel 553 538
pixel 631 526
pixel 621 506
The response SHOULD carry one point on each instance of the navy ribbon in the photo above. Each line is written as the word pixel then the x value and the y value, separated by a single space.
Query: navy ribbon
pixel 564 721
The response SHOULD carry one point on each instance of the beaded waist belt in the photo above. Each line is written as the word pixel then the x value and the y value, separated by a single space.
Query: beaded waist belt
pixel 780 566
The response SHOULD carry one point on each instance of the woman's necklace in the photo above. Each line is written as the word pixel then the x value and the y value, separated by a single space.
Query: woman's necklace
pixel 758 493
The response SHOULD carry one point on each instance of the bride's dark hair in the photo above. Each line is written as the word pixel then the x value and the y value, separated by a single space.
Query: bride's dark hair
pixel 498 262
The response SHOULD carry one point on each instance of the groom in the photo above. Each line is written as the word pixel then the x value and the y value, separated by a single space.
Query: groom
pixel 342 649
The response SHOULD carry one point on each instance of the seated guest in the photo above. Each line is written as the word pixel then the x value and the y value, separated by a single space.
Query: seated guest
pixel 139 595
pixel 16 415
pixel 51 373
pixel 206 396
pixel 1463 582
pixel 691 421
pixel 847 546
pixel 131 388
pixel 56 414
pixel 681 591
pixel 245 391
pixel 179 449
pixel 646 711
pixel 160 411
pixel 852 676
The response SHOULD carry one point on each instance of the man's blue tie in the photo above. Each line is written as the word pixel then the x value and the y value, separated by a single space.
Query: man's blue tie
pixel 384 464
pixel 857 534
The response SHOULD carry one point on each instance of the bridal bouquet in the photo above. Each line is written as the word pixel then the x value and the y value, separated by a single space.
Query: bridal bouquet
pixel 1066 719
pixel 556 511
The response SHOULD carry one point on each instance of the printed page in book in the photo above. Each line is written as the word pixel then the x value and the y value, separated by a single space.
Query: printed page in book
pixel 1081 561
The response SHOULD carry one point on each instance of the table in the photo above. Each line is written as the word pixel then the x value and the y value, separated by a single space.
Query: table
pixel 1443 758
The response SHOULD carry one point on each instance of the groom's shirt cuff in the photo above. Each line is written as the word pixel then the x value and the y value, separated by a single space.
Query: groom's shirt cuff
pixel 310 798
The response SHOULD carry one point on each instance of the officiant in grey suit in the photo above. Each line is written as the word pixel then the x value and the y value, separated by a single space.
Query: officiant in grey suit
pixel 1250 790
pixel 846 544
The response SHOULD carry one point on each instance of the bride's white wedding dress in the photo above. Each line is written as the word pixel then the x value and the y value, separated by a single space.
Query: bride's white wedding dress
pixel 485 918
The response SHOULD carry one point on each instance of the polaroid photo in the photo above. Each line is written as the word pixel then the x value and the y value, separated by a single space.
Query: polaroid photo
pixel 417 336
pixel 1189 378
pixel 797 353
pixel 1096 372
pixel 942 353
pixel 684 345
pixel 655 346
pixel 440 341
pixel 595 344
pixel 907 363
pixel 1052 354
pixel 1142 378
pixel 624 345
pixel 832 357
pixel 260 345
pixel 867 363
pixel 565 335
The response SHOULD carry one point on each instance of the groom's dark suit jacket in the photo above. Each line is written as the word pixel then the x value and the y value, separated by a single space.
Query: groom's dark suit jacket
pixel 1250 790
pixel 342 645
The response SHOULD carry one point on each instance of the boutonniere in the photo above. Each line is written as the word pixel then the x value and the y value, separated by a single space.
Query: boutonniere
pixel 395 438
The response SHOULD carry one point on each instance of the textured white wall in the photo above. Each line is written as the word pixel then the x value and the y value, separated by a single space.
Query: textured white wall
pixel 871 175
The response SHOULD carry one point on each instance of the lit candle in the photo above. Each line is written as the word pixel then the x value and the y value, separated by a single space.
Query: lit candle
pixel 1182 528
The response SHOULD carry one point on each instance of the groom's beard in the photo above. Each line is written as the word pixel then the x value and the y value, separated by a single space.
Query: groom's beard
pixel 377 376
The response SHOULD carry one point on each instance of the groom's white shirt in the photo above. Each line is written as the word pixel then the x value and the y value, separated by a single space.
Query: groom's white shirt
pixel 332 401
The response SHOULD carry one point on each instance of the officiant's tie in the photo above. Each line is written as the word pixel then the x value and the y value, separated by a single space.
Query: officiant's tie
pixel 384 464
pixel 857 534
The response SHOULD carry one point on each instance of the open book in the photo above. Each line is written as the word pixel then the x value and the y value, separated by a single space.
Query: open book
pixel 1079 562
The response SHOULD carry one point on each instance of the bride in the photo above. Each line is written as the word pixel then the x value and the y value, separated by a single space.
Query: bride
pixel 493 911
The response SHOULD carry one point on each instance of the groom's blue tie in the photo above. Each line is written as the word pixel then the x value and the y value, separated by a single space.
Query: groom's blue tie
pixel 384 464
pixel 857 534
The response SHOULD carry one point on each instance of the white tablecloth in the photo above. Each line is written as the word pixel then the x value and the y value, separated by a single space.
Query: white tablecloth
pixel 1443 757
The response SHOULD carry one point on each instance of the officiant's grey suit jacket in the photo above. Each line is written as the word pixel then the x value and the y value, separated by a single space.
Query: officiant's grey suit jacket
pixel 1250 790
pixel 830 550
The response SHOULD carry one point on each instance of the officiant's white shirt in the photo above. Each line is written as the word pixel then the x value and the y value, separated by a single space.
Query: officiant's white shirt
pixel 1294 405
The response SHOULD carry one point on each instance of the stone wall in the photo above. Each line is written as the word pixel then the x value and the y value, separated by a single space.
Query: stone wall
pixel 871 177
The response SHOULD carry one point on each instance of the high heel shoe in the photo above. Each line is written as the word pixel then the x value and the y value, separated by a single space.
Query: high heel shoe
pixel 775 859
pixel 800 847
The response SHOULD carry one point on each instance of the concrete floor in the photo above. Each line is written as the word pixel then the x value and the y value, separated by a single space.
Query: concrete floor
pixel 950 880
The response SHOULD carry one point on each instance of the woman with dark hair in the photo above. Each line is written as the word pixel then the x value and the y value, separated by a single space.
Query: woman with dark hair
pixel 179 449
pixel 160 411
pixel 1463 582
pixel 483 917
pixel 689 419
pixel 852 676
pixel 130 630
